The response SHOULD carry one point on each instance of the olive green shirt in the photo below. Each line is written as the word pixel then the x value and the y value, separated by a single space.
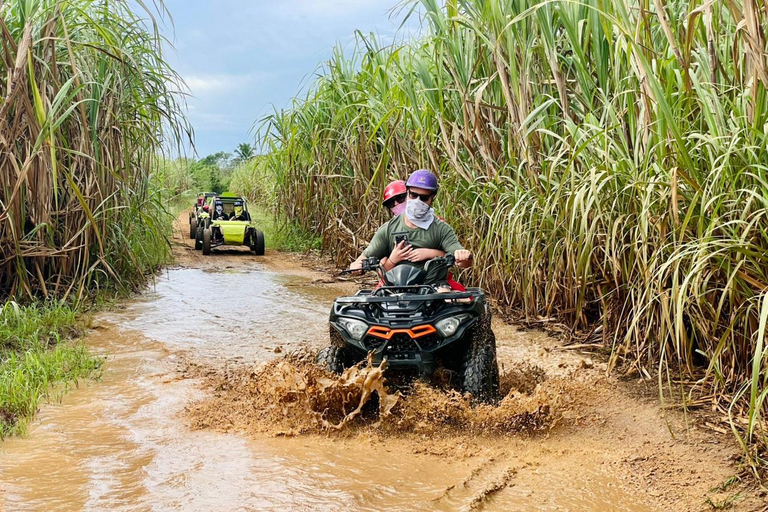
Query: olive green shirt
pixel 438 235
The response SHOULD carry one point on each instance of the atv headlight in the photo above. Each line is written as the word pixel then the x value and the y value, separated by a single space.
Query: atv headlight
pixel 355 328
pixel 448 326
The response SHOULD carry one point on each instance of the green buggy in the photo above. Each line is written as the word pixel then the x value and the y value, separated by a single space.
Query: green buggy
pixel 227 222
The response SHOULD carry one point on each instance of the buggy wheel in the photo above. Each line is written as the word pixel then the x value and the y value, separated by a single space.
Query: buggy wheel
pixel 480 370
pixel 199 238
pixel 207 234
pixel 334 359
pixel 192 227
pixel 257 242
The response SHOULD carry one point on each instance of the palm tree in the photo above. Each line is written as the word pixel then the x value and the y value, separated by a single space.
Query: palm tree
pixel 244 152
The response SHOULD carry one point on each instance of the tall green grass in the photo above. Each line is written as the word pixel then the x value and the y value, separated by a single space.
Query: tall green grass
pixel 89 104
pixel 605 160
pixel 36 354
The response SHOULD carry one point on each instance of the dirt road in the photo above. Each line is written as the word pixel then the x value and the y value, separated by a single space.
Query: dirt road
pixel 172 426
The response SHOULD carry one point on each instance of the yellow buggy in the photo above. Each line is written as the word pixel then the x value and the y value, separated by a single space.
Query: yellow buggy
pixel 228 222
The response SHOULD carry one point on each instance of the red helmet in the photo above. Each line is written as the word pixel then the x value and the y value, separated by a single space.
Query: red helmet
pixel 393 189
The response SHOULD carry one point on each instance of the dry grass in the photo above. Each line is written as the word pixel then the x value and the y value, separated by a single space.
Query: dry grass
pixel 86 107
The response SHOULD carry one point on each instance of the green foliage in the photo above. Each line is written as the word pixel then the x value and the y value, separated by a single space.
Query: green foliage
pixel 35 355
pixel 211 173
pixel 91 106
pixel 253 180
pixel 606 163
pixel 284 236
pixel 174 176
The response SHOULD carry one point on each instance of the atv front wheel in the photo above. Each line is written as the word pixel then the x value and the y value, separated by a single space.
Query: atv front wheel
pixel 199 238
pixel 192 227
pixel 334 359
pixel 257 242
pixel 480 371
pixel 207 235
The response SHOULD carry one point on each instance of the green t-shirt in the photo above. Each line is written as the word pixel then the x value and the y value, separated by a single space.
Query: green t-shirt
pixel 438 235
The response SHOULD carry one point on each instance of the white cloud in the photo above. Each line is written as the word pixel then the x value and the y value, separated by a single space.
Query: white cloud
pixel 219 83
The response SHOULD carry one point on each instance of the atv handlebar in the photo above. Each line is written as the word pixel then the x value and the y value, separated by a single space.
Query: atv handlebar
pixel 372 264
pixel 369 264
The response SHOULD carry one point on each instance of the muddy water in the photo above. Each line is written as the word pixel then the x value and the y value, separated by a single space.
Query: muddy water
pixel 121 443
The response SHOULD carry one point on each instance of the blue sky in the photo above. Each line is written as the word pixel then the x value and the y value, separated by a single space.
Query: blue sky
pixel 240 57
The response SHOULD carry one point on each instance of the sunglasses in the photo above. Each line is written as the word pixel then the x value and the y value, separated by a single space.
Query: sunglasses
pixel 392 201
pixel 423 197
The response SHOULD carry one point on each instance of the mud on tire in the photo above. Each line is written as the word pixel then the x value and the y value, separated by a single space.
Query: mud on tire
pixel 480 370
pixel 334 359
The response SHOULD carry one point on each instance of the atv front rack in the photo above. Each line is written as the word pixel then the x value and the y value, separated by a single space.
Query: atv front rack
pixel 406 297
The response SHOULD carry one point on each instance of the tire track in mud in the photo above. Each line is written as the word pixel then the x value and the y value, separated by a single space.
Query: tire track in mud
pixel 566 437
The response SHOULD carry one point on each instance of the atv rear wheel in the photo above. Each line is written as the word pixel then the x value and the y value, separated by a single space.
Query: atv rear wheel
pixel 257 242
pixel 334 359
pixel 207 235
pixel 192 227
pixel 480 371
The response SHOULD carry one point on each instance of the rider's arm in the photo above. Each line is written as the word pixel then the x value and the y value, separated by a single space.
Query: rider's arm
pixel 433 253
pixel 450 243
pixel 378 248
pixel 387 264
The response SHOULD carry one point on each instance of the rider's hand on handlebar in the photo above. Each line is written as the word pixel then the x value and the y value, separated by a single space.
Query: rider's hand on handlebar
pixel 356 265
pixel 463 258
pixel 401 252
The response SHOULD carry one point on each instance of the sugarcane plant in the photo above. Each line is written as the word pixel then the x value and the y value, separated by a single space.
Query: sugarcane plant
pixel 88 105
pixel 606 161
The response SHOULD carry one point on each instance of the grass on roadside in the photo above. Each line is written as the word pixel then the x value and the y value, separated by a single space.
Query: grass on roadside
pixel 288 237
pixel 180 202
pixel 37 354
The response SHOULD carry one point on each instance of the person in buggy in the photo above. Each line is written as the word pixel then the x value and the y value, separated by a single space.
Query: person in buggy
pixel 240 213
pixel 218 211
pixel 416 235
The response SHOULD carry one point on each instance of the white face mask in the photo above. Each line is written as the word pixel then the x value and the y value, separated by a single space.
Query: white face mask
pixel 419 212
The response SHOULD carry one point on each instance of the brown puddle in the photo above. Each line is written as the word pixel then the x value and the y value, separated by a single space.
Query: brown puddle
pixel 124 443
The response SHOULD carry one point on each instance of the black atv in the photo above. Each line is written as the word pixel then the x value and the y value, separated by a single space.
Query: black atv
pixel 416 329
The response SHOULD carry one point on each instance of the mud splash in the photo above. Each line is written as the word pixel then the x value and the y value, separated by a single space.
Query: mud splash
pixel 292 396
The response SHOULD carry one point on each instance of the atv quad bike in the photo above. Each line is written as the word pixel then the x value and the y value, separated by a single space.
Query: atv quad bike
pixel 414 328
pixel 214 233
pixel 194 215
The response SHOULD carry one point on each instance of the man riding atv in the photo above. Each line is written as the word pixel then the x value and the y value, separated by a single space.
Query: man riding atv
pixel 418 234
pixel 395 196
pixel 412 319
